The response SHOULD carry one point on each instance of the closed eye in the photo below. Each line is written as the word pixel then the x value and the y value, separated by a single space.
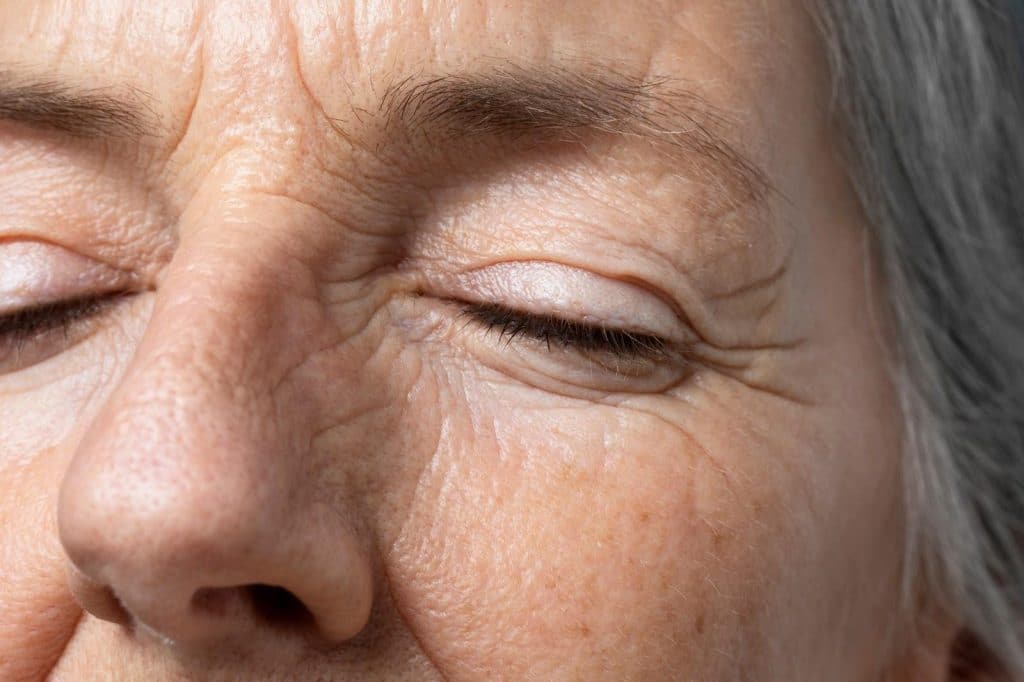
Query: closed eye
pixel 511 324
pixel 33 334
pixel 22 325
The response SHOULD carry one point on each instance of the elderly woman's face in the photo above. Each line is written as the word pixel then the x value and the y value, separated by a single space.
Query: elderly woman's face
pixel 475 340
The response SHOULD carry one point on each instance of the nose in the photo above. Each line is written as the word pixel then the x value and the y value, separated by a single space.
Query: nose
pixel 191 508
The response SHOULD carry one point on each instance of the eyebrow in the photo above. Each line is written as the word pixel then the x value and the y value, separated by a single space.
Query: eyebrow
pixel 91 113
pixel 566 104
pixel 507 102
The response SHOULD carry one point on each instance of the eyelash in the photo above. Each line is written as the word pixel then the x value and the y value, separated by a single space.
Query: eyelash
pixel 550 330
pixel 22 326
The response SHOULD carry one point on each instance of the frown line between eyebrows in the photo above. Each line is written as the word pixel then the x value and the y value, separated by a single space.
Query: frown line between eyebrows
pixel 519 103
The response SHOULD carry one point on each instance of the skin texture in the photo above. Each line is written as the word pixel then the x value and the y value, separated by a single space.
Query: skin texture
pixel 290 395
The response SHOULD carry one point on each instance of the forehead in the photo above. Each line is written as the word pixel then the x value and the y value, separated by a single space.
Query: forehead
pixel 280 98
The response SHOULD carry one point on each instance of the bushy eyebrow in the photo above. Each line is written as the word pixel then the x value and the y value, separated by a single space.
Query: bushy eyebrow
pixel 79 112
pixel 563 103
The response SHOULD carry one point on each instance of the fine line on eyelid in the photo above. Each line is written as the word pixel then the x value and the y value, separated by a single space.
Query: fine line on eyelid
pixel 631 280
pixel 99 275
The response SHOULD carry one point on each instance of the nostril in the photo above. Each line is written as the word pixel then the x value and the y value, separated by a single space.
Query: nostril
pixel 97 598
pixel 272 605
pixel 277 606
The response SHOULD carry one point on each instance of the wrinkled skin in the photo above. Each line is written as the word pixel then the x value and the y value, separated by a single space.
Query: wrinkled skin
pixel 291 394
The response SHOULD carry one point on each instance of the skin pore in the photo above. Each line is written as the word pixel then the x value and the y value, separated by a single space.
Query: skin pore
pixel 380 361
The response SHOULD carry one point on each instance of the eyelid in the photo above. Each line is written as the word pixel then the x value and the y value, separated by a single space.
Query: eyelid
pixel 553 289
pixel 511 323
pixel 33 335
pixel 568 366
pixel 35 273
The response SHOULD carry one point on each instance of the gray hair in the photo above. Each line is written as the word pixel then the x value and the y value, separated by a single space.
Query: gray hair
pixel 930 96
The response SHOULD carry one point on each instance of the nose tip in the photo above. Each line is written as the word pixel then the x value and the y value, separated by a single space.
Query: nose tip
pixel 186 517
pixel 205 580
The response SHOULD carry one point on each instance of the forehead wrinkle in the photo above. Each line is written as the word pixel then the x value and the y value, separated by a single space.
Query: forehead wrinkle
pixel 560 103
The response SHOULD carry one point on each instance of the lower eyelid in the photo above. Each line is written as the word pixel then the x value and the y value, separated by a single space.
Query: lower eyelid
pixel 574 372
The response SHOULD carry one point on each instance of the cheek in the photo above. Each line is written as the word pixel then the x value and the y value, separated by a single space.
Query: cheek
pixel 38 614
pixel 815 498
pixel 550 536
pixel 45 409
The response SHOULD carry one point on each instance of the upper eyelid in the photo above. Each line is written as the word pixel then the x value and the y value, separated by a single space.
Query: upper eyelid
pixel 35 272
pixel 554 288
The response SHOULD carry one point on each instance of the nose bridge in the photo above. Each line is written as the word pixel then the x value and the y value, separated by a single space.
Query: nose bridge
pixel 230 312
pixel 189 449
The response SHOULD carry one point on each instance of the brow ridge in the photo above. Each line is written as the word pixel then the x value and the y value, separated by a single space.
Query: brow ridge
pixel 514 102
